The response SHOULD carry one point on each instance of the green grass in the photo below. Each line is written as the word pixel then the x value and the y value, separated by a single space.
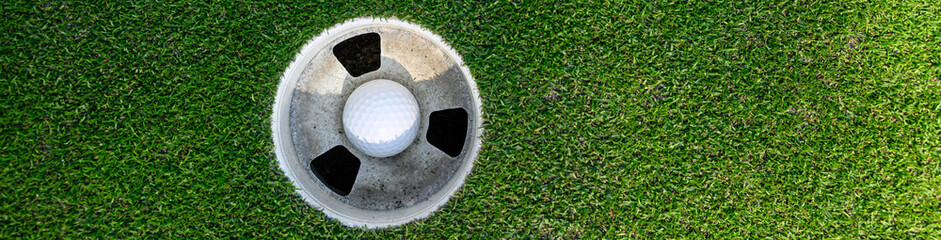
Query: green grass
pixel 786 119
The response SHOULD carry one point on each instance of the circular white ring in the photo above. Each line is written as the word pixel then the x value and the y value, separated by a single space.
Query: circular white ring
pixel 307 186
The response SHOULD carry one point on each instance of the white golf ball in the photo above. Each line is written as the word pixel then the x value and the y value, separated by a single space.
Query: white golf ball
pixel 381 118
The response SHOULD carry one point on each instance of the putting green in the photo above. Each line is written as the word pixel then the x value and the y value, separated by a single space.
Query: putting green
pixel 613 119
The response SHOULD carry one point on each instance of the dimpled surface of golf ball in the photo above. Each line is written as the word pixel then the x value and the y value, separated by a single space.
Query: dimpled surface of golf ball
pixel 381 118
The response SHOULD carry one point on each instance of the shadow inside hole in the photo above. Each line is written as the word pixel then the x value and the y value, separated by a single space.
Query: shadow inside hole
pixel 337 168
pixel 447 130
pixel 359 54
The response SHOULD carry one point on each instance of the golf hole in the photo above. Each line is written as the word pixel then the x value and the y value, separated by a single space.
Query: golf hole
pixel 353 183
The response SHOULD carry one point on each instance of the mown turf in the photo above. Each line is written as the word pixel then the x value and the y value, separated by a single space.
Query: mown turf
pixel 785 119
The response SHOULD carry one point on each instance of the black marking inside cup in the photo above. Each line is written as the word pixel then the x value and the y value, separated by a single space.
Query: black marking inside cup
pixel 337 168
pixel 359 54
pixel 447 130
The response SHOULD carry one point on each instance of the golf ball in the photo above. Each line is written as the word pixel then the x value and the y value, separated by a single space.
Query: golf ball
pixel 381 118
